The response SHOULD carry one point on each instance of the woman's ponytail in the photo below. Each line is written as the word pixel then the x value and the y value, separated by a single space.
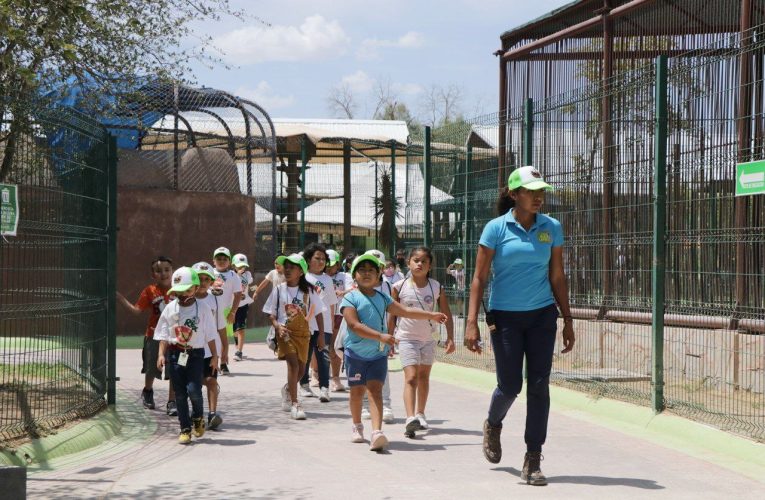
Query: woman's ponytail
pixel 505 201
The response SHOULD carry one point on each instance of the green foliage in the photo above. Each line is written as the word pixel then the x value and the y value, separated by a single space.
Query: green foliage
pixel 385 208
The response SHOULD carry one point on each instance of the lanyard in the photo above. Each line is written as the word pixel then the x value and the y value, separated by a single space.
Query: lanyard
pixel 417 296
pixel 382 318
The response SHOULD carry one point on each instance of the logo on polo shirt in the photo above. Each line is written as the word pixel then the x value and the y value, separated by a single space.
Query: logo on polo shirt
pixel 544 237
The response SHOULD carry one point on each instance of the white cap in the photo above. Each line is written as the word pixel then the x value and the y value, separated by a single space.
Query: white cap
pixel 240 260
pixel 377 254
pixel 458 262
pixel 183 279
pixel 334 257
pixel 222 251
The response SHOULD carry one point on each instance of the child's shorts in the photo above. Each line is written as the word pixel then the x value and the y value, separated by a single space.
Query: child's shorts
pixel 417 352
pixel 297 344
pixel 360 371
pixel 240 319
pixel 150 354
pixel 208 369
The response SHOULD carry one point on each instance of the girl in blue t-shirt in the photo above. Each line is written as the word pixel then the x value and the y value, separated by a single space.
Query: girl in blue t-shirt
pixel 367 343
pixel 525 249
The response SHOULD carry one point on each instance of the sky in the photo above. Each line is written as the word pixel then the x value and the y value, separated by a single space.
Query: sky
pixel 313 46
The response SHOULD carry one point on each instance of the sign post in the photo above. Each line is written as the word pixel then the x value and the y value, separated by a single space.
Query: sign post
pixel 9 209
pixel 750 178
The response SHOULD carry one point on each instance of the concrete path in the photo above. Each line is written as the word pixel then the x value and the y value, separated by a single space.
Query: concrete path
pixel 260 453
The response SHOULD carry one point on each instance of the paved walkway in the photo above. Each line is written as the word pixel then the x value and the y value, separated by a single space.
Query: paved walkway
pixel 260 453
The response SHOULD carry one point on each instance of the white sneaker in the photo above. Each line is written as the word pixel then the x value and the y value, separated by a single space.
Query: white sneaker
pixel 365 414
pixel 297 412
pixel 388 415
pixel 324 395
pixel 423 422
pixel 306 392
pixel 286 399
pixel 358 433
pixel 378 441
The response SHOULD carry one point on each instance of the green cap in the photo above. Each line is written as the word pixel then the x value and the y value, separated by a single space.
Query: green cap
pixel 361 258
pixel 527 177
pixel 296 259
pixel 183 279
pixel 204 268
pixel 334 257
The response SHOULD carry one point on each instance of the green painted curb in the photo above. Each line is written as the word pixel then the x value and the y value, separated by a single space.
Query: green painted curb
pixel 686 436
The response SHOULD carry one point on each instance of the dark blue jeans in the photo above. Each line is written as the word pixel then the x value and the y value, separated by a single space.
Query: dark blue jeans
pixel 529 334
pixel 322 359
pixel 187 382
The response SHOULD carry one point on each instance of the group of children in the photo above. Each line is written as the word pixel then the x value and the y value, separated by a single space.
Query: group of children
pixel 356 315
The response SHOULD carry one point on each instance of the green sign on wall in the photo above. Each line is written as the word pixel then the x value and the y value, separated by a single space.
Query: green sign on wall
pixel 9 209
pixel 750 178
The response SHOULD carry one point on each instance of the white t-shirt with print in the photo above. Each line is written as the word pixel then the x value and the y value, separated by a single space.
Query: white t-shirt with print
pixel 246 278
pixel 393 279
pixel 228 283
pixel 220 321
pixel 324 286
pixel 425 298
pixel 198 317
pixel 275 277
pixel 292 295
pixel 339 280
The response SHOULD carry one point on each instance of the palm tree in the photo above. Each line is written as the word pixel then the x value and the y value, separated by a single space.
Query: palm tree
pixel 385 208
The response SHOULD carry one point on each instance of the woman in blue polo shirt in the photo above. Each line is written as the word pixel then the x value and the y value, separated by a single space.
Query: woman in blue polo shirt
pixel 525 249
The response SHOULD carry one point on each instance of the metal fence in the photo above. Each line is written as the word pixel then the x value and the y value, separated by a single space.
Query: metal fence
pixel 667 278
pixel 56 273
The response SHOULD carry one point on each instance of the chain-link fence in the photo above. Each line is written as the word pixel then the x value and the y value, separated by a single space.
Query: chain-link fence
pixel 705 356
pixel 57 270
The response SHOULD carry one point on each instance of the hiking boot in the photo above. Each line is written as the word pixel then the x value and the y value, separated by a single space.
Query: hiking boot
pixel 147 396
pixel 358 433
pixel 423 422
pixel 306 391
pixel 387 415
pixel 238 356
pixel 378 441
pixel 213 420
pixel 531 472
pixel 324 395
pixel 297 412
pixel 286 399
pixel 185 436
pixel 171 409
pixel 199 427
pixel 492 446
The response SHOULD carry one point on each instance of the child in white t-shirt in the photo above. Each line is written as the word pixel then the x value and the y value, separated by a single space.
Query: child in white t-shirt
pixel 274 278
pixel 184 328
pixel 240 321
pixel 206 279
pixel 338 279
pixel 228 288
pixel 416 337
pixel 290 307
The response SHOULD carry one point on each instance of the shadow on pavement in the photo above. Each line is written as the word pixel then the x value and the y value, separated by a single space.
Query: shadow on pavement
pixel 644 484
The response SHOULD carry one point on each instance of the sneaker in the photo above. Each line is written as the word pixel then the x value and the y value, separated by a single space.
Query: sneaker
pixel 185 436
pixel 199 427
pixel 147 396
pixel 423 422
pixel 531 472
pixel 492 446
pixel 306 392
pixel 324 395
pixel 337 386
pixel 286 399
pixel 213 420
pixel 412 424
pixel 171 409
pixel 365 415
pixel 358 433
pixel 297 412
pixel 224 369
pixel 238 356
pixel 378 442
pixel 387 415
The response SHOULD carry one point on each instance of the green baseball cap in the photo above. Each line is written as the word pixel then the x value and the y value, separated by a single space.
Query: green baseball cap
pixel 334 257
pixel 296 259
pixel 203 268
pixel 527 177
pixel 361 258
pixel 183 279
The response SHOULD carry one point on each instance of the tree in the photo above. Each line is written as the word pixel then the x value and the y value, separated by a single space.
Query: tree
pixel 441 105
pixel 387 208
pixel 102 44
pixel 341 101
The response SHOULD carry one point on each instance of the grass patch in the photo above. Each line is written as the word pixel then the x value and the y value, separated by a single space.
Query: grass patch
pixel 35 371
pixel 136 341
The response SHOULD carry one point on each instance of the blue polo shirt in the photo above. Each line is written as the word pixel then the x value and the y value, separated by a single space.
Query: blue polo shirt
pixel 521 261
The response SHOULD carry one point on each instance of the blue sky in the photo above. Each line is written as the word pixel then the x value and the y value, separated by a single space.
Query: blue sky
pixel 315 45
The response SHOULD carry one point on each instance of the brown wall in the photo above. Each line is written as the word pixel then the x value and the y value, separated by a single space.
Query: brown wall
pixel 185 226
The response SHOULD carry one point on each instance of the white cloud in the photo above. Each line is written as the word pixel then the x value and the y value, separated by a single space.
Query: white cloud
pixel 358 81
pixel 265 96
pixel 316 38
pixel 370 47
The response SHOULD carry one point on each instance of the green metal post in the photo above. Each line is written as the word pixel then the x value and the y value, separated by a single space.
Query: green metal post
pixel 392 248
pixel 659 233
pixel 528 132
pixel 426 194
pixel 468 232
pixel 111 273
pixel 303 162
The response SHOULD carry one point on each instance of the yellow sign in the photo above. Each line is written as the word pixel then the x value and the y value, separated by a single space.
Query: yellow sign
pixel 544 237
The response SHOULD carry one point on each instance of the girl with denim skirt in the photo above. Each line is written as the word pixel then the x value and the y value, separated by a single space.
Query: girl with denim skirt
pixel 525 249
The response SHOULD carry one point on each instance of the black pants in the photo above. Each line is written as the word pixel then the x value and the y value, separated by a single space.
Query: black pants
pixel 322 359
